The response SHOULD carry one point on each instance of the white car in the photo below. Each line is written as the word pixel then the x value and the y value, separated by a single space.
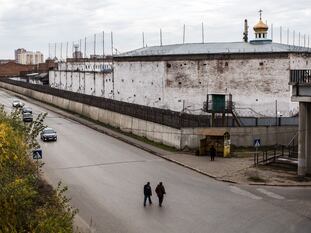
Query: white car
pixel 17 104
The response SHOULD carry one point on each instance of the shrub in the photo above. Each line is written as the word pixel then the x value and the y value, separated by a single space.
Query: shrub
pixel 24 205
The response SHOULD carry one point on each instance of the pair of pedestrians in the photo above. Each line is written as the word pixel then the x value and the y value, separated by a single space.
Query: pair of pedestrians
pixel 160 191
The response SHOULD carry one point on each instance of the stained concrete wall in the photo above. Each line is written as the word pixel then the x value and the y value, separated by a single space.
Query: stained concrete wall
pixel 243 136
pixel 90 83
pixel 255 83
pixel 155 132
pixel 178 138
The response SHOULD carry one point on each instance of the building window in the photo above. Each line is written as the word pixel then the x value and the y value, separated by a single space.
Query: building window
pixel 261 63
pixel 168 65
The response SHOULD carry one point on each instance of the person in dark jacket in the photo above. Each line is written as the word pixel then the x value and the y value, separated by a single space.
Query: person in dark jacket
pixel 212 153
pixel 160 190
pixel 147 193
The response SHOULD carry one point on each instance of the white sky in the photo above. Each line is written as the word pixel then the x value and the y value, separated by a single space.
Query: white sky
pixel 33 24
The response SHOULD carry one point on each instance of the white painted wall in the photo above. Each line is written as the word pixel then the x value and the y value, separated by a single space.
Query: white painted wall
pixel 255 84
pixel 97 66
pixel 90 83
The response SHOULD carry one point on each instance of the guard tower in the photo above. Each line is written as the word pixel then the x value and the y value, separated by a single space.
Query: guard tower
pixel 221 104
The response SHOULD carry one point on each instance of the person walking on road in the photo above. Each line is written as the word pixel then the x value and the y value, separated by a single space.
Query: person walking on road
pixel 160 190
pixel 212 153
pixel 147 193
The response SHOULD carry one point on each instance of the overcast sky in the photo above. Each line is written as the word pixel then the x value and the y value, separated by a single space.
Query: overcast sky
pixel 33 24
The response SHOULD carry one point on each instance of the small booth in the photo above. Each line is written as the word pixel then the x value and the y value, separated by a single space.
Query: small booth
pixel 219 138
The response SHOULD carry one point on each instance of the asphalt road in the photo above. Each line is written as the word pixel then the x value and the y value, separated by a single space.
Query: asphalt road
pixel 106 177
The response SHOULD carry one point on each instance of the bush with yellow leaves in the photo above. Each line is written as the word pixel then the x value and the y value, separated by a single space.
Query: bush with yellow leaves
pixel 27 203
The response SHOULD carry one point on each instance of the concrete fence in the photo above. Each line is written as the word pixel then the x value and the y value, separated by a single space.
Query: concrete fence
pixel 174 137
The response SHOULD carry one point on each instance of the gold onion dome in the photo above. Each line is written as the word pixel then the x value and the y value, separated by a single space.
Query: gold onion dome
pixel 260 26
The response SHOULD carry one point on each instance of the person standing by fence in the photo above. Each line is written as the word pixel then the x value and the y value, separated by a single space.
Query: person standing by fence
pixel 212 153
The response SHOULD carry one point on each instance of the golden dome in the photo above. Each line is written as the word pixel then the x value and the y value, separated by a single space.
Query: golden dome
pixel 260 26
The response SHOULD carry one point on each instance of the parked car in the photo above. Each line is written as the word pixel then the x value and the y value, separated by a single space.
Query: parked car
pixel 17 104
pixel 27 109
pixel 48 134
pixel 27 117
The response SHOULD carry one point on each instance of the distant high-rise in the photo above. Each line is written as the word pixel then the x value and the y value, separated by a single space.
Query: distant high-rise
pixel 19 51
pixel 22 56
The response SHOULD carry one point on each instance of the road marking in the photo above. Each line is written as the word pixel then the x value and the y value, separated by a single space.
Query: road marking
pixel 270 194
pixel 242 192
pixel 102 164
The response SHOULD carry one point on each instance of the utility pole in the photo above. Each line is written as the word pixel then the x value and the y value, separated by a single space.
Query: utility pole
pixel 103 44
pixel 50 50
pixel 202 33
pixel 55 50
pixel 184 34
pixel 67 64
pixel 94 45
pixel 299 39
pixel 61 50
pixel 111 40
pixel 276 122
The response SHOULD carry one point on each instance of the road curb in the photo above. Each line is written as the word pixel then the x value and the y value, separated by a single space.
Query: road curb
pixel 281 185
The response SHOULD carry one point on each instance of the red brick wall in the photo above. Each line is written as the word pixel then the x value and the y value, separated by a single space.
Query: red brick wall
pixel 14 69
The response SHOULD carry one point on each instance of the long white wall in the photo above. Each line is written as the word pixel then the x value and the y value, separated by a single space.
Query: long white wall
pixel 178 138
pixel 259 87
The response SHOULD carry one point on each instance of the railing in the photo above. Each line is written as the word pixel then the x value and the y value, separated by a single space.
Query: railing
pixel 270 156
pixel 266 157
pixel 300 77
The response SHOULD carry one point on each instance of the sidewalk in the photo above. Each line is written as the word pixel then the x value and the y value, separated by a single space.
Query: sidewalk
pixel 234 170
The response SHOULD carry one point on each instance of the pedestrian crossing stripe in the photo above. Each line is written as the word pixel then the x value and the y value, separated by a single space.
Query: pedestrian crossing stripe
pixel 243 192
pixel 270 194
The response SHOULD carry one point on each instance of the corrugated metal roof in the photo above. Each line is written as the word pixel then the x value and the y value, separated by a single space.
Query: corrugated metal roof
pixel 214 48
